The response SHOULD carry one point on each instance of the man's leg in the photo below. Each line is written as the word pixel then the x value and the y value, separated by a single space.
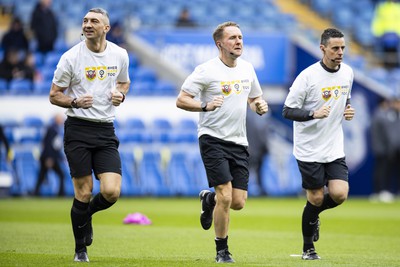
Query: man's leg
pixel 83 189
pixel 110 188
pixel 317 202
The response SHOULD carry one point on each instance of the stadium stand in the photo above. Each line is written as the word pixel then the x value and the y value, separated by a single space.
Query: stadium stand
pixel 166 160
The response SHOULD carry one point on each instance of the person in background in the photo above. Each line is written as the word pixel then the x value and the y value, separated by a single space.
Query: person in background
pixel 44 26
pixel 15 38
pixel 225 85
pixel 90 81
pixel 381 125
pixel 184 20
pixel 51 156
pixel 7 148
pixel 11 65
pixel 386 28
pixel 257 135
pixel 116 35
pixel 318 101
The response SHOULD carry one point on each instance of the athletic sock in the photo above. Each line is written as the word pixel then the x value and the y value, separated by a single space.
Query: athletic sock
pixel 78 219
pixel 98 203
pixel 328 203
pixel 309 218
pixel 221 243
pixel 210 199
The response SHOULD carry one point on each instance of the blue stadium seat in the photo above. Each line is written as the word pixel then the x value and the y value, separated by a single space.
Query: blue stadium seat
pixel 33 121
pixel 322 7
pixel 142 88
pixel 134 124
pixel 144 74
pixel 26 166
pixel 21 87
pixel 179 177
pixel 42 87
pixel 3 87
pixel 51 59
pixel 152 179
pixel 165 88
pixel 343 18
pixel 130 182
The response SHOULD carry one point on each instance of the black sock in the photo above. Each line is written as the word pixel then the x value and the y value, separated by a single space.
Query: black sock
pixel 328 203
pixel 310 216
pixel 221 243
pixel 98 203
pixel 210 199
pixel 78 218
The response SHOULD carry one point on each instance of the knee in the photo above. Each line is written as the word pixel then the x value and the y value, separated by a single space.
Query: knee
pixel 339 198
pixel 316 200
pixel 238 204
pixel 111 195
pixel 224 200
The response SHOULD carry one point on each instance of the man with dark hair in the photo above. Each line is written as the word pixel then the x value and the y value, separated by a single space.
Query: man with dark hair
pixel 91 80
pixel 44 26
pixel 225 85
pixel 318 100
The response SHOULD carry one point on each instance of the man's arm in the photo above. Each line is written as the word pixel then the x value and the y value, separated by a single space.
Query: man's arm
pixel 58 98
pixel 297 114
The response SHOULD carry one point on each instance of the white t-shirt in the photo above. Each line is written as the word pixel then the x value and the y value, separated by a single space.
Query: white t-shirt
pixel 320 140
pixel 86 72
pixel 236 84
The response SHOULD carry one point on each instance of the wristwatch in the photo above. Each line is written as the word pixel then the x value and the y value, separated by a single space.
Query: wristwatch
pixel 74 103
pixel 204 106
pixel 311 114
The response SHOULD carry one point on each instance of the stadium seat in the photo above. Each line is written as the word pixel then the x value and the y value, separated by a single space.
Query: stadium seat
pixel 134 124
pixel 179 177
pixel 42 87
pixel 21 87
pixel 165 88
pixel 33 121
pixel 26 166
pixel 130 182
pixel 152 179
pixel 144 74
pixel 3 87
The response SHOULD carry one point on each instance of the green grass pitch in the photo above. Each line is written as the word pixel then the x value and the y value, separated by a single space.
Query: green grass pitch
pixel 37 232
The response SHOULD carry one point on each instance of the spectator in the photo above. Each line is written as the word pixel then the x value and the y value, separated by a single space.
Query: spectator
pixel 15 37
pixel 51 156
pixel 11 65
pixel 44 26
pixel 184 20
pixel 381 125
pixel 3 139
pixel 28 68
pixel 386 27
pixel 257 135
pixel 116 34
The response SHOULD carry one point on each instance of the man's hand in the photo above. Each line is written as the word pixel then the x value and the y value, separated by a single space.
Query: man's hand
pixel 85 101
pixel 216 103
pixel 322 113
pixel 349 113
pixel 117 98
pixel 261 106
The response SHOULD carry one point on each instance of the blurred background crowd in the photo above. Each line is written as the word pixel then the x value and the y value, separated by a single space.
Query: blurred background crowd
pixel 165 40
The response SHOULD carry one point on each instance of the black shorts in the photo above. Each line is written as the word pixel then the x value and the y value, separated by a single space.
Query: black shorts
pixel 316 175
pixel 225 162
pixel 91 146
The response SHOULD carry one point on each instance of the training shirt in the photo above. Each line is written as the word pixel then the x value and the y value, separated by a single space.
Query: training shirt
pixel 320 140
pixel 236 84
pixel 85 72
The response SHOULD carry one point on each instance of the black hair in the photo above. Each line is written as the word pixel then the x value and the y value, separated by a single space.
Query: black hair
pixel 330 33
